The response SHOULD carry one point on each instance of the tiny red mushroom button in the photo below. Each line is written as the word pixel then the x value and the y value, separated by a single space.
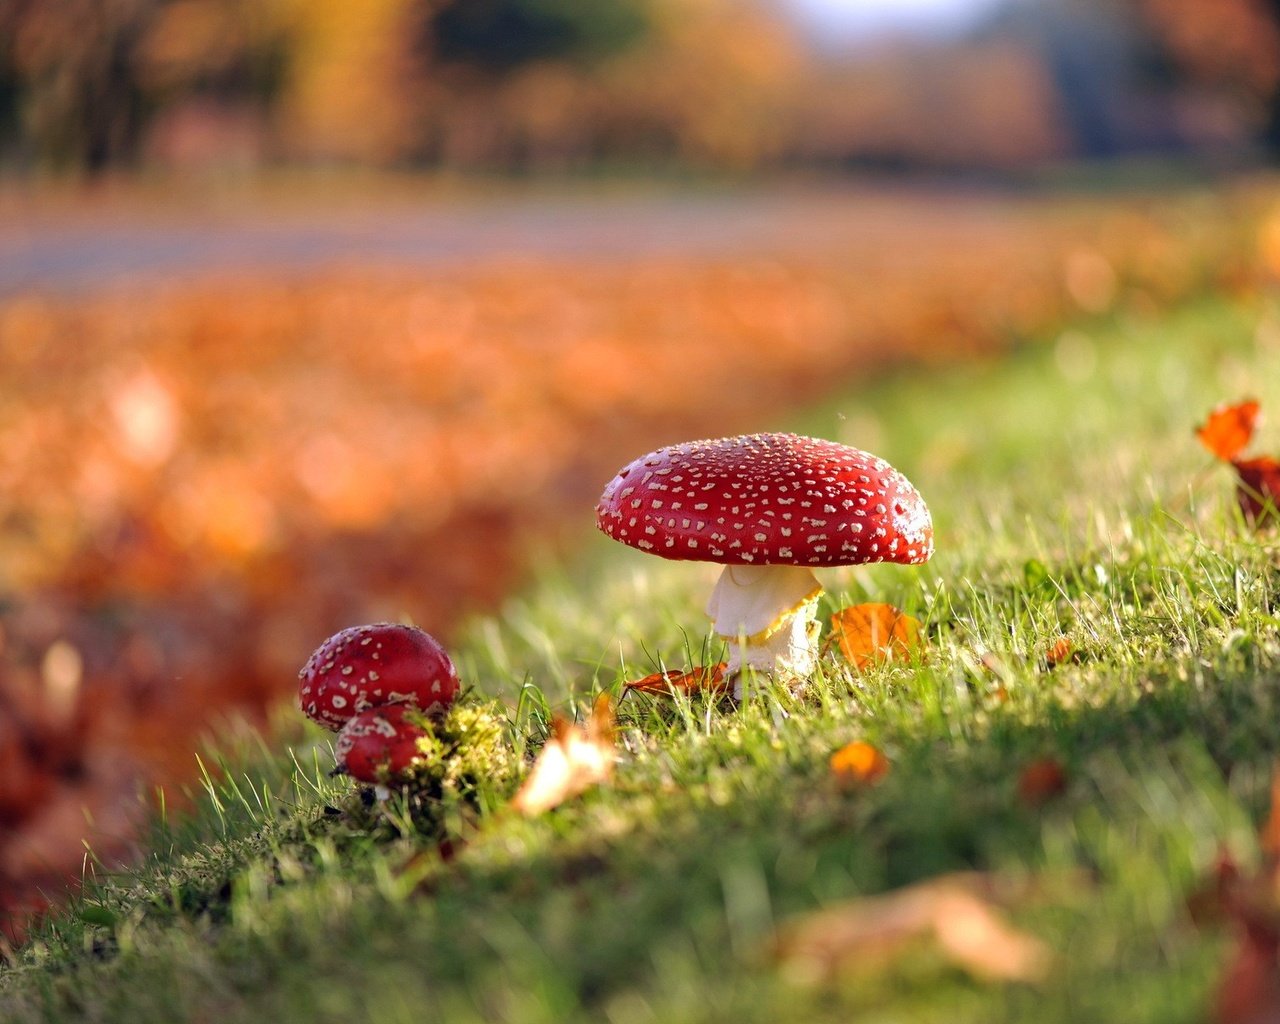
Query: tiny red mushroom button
pixel 369 666
pixel 379 746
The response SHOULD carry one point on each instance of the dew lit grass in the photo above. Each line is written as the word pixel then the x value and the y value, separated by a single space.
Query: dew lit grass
pixel 1071 499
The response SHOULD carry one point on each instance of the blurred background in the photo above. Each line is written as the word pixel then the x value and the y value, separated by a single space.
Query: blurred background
pixel 317 312
pixel 552 86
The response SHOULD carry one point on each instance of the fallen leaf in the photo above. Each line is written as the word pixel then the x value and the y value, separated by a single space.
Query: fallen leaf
pixel 573 760
pixel 955 912
pixel 1249 992
pixel 1060 651
pixel 703 679
pixel 858 763
pixel 868 634
pixel 1040 781
pixel 1228 429
pixel 976 936
pixel 1258 491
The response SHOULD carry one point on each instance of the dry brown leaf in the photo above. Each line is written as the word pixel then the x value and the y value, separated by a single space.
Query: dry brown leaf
pixel 1228 429
pixel 952 911
pixel 858 763
pixel 703 679
pixel 573 760
pixel 868 634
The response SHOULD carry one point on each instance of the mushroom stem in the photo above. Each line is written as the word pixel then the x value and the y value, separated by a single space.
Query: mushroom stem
pixel 767 612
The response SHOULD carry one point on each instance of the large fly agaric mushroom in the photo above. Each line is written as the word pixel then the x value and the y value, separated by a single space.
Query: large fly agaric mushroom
pixel 771 508
pixel 367 666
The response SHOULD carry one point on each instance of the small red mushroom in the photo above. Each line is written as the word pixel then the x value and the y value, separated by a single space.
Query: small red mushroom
pixel 368 666
pixel 379 746
pixel 771 508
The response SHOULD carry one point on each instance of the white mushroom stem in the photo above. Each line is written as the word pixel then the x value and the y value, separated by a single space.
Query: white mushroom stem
pixel 767 613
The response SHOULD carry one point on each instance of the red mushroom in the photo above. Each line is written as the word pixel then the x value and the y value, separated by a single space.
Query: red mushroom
pixel 379 746
pixel 771 508
pixel 367 666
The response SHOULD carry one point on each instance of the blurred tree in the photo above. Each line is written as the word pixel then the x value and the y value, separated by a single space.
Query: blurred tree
pixel 231 49
pixel 717 83
pixel 350 80
pixel 1229 48
pixel 503 34
pixel 510 85
pixel 76 101
pixel 86 77
pixel 463 82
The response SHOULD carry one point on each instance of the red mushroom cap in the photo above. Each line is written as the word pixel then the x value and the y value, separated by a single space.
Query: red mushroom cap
pixel 367 666
pixel 767 499
pixel 380 745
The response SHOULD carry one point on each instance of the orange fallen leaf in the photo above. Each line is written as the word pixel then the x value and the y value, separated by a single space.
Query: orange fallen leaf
pixel 573 760
pixel 858 763
pixel 1228 429
pixel 1040 781
pixel 868 634
pixel 703 679
pixel 952 911
pixel 1061 650
pixel 1226 433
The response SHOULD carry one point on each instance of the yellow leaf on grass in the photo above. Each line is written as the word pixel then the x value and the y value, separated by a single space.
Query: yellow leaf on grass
pixel 573 760
pixel 868 634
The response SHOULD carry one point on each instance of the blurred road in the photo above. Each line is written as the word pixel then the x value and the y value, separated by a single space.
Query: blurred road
pixel 84 248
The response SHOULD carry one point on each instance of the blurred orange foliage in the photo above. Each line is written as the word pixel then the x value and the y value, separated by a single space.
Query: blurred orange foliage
pixel 199 481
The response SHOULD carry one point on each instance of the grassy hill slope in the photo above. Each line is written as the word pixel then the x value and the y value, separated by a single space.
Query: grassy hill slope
pixel 1070 499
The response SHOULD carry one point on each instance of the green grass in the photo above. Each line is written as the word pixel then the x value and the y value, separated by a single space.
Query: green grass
pixel 1069 496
